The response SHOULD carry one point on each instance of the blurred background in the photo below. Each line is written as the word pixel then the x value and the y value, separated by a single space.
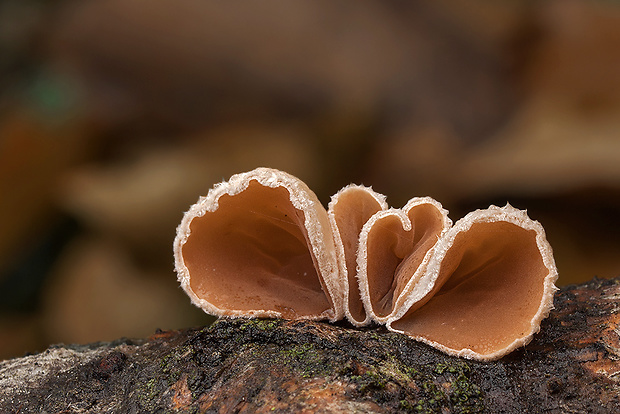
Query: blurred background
pixel 116 115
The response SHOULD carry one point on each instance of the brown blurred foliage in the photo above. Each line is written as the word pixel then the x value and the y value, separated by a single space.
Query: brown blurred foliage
pixel 115 116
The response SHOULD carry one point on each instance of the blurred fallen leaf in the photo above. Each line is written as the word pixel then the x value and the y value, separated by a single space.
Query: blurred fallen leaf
pixel 138 201
pixel 97 293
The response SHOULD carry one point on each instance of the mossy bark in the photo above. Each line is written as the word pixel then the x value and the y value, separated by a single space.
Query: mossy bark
pixel 244 365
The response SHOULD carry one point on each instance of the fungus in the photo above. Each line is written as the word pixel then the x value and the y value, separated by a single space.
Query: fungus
pixel 262 245
pixel 488 285
pixel 394 249
pixel 348 211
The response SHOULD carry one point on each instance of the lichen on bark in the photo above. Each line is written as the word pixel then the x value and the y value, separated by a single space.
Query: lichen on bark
pixel 273 365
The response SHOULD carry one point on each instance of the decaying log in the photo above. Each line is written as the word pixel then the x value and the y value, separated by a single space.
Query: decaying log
pixel 244 365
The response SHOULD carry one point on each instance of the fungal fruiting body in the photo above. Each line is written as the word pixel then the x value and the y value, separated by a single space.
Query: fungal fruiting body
pixel 486 288
pixel 262 245
pixel 348 211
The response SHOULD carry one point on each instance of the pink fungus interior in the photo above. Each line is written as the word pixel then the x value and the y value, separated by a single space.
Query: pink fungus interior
pixel 253 253
pixel 394 254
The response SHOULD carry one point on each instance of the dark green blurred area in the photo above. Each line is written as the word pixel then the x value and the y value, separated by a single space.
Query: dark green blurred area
pixel 115 116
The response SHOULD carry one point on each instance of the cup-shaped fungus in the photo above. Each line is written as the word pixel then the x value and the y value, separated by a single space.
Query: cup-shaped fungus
pixel 260 245
pixel 394 249
pixel 348 211
pixel 486 288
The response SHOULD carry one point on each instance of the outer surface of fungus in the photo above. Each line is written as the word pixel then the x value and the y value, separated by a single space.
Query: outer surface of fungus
pixel 348 211
pixel 262 245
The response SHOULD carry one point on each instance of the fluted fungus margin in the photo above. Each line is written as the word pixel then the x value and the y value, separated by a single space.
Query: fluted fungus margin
pixel 262 245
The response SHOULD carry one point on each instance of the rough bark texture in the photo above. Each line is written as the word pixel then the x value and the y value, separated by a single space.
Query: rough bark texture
pixel 296 366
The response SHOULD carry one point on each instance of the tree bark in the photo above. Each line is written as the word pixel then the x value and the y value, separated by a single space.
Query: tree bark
pixel 245 365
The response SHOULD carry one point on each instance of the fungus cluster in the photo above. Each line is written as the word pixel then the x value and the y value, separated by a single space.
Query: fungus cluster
pixel 262 245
